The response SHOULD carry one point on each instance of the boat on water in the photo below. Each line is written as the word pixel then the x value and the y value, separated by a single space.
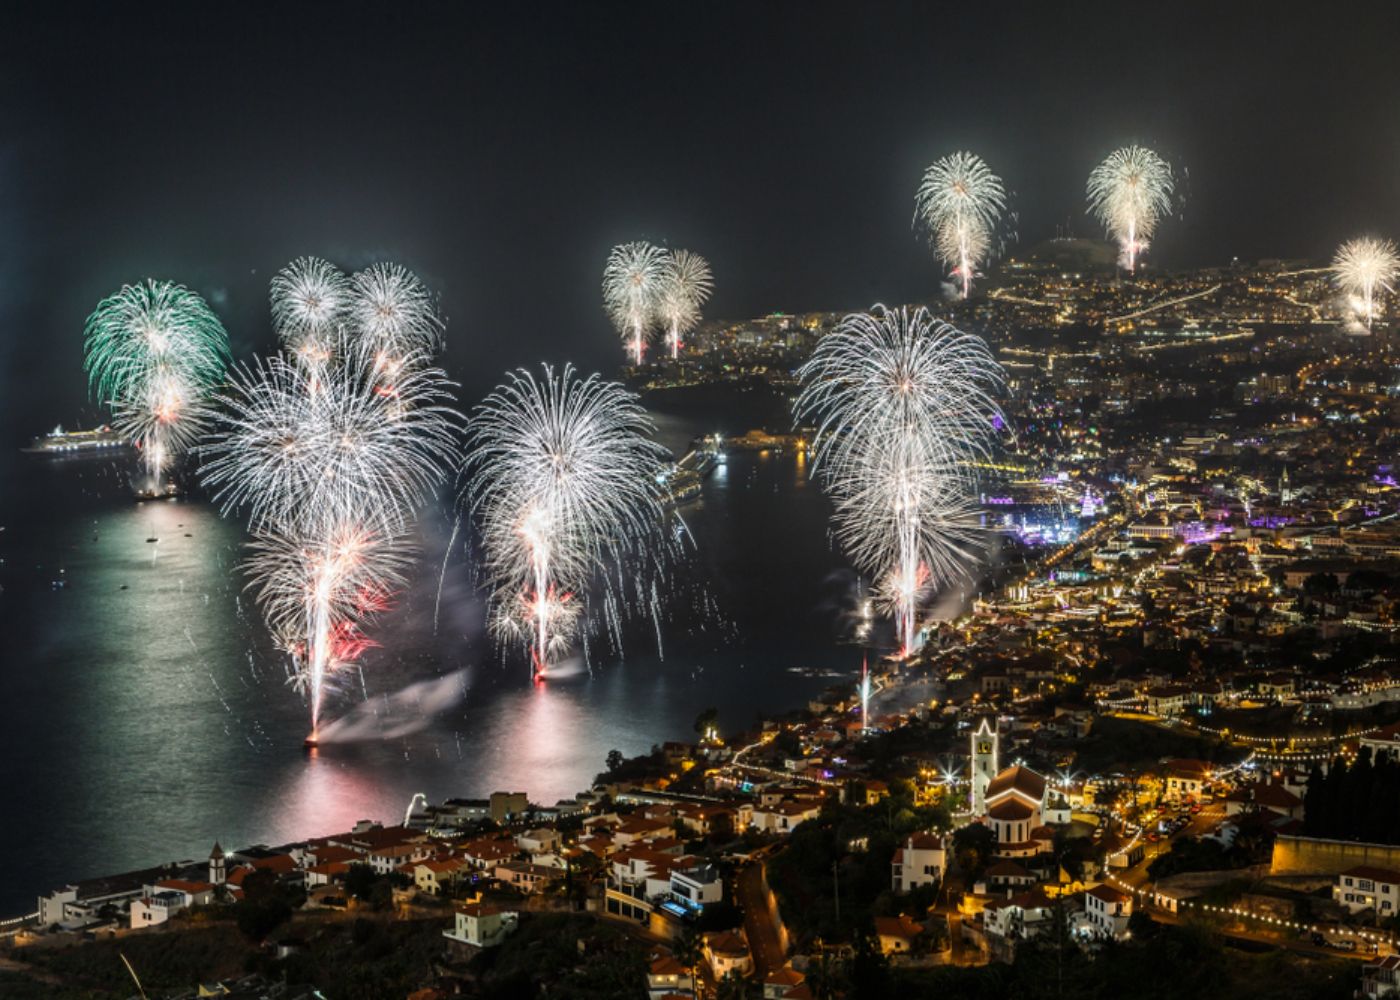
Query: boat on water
pixel 59 442
pixel 157 491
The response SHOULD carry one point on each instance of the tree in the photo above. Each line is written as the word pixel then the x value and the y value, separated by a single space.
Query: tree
pixel 615 759
pixel 688 951
pixel 972 847
pixel 706 720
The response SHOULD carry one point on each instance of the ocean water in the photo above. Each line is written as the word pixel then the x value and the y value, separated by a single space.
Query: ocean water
pixel 145 713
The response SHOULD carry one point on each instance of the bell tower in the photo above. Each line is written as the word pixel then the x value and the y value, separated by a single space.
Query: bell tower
pixel 216 865
pixel 984 764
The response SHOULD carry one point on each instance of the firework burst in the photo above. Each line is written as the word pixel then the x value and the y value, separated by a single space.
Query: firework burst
pixel 686 286
pixel 392 315
pixel 153 351
pixel 904 406
pixel 331 468
pixel 960 202
pixel 310 302
pixel 1128 193
pixel 565 485
pixel 633 281
pixel 1362 269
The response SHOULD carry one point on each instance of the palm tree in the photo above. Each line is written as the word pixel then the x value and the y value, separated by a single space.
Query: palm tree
pixel 688 951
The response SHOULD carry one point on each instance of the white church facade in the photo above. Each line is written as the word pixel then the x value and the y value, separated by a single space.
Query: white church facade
pixel 1017 804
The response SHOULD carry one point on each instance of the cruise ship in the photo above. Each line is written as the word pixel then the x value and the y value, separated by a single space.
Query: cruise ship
pixel 61 442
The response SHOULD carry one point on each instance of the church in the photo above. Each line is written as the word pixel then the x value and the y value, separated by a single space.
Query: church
pixel 1017 804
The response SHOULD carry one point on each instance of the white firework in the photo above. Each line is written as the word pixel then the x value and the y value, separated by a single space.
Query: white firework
pixel 686 286
pixel 319 590
pixel 1362 269
pixel 392 315
pixel 310 302
pixel 564 482
pixel 904 408
pixel 1129 192
pixel 299 448
pixel 632 283
pixel 960 202
pixel 331 466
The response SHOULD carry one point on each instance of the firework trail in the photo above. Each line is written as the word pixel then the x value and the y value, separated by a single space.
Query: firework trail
pixel 685 287
pixel 565 485
pixel 960 202
pixel 153 351
pixel 310 302
pixel 1129 192
pixel 632 284
pixel 1362 269
pixel 331 467
pixel 903 406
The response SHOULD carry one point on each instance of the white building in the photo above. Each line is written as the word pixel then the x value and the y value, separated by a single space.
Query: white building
pixel 481 925
pixel 1368 888
pixel 697 887
pixel 1108 911
pixel 921 861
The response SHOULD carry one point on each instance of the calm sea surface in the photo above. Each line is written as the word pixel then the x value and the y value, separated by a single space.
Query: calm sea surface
pixel 144 714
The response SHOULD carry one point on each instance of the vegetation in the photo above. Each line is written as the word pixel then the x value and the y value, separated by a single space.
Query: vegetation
pixel 1360 802
pixel 847 851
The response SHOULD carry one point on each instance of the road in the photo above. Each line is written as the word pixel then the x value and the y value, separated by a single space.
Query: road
pixel 758 921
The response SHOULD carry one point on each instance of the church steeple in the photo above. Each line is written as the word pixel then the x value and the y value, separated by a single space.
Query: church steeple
pixel 217 871
pixel 984 764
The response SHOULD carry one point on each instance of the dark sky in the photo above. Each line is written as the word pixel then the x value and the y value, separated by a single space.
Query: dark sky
pixel 502 149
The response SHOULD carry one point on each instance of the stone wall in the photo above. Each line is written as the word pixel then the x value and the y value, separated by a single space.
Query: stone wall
pixel 1313 855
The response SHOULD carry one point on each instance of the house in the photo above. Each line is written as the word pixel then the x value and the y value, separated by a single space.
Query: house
pixel 727 953
pixel 540 841
pixel 897 934
pixel 1264 795
pixel 1022 916
pixel 780 983
pixel 667 977
pixel 697 886
pixel 524 876
pixel 82 902
pixel 1384 741
pixel 482 925
pixel 920 861
pixel 1168 700
pixel 1186 779
pixel 1008 874
pixel 157 908
pixel 1367 887
pixel 783 817
pixel 438 875
pixel 1108 911
pixel 393 856
pixel 1380 978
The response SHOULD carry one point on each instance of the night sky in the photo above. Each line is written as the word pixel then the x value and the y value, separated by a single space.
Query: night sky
pixel 501 150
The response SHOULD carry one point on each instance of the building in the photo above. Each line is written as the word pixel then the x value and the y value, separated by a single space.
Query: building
pixel 1016 801
pixel 897 934
pixel 157 908
pixel 506 806
pixel 1186 779
pixel 727 953
pixel 1380 977
pixel 1366 887
pixel 481 925
pixel 667 977
pixel 1108 911
pixel 920 861
pixel 696 887
pixel 984 764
